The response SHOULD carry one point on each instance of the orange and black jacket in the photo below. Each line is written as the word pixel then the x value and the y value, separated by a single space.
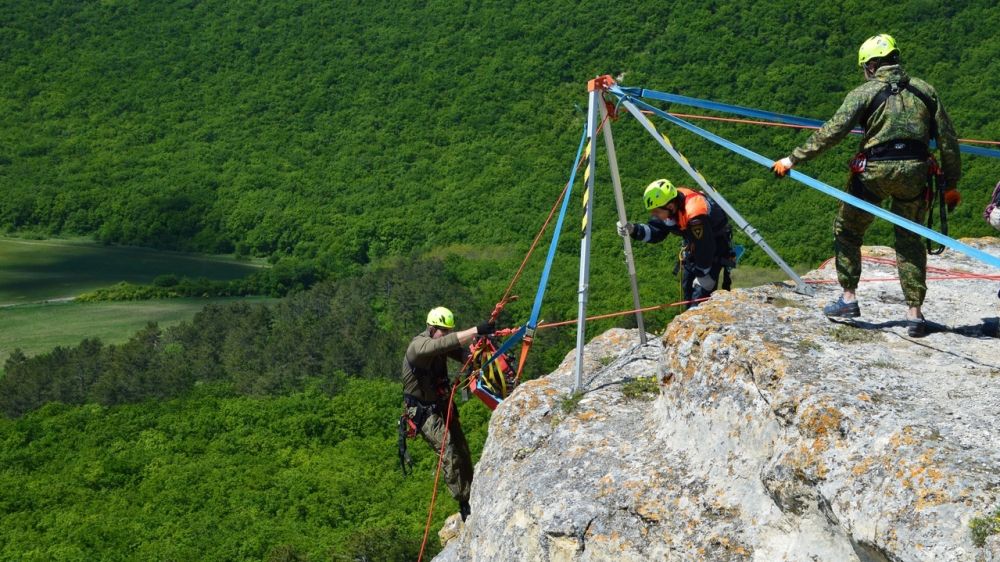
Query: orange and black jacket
pixel 700 222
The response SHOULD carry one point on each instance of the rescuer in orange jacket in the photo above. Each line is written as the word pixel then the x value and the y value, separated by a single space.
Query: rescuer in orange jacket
pixel 704 227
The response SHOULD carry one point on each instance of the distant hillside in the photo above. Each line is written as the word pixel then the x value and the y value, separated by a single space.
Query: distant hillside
pixel 346 132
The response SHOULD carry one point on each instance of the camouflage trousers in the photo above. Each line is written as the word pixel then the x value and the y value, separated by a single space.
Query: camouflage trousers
pixel 905 182
pixel 457 462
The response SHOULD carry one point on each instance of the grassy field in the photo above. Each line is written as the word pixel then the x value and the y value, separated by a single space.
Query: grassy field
pixel 38 270
pixel 752 276
pixel 40 327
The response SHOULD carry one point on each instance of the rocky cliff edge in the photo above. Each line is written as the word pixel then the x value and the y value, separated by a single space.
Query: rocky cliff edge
pixel 755 429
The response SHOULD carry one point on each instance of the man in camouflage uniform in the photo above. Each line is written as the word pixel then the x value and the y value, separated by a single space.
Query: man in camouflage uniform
pixel 426 393
pixel 900 116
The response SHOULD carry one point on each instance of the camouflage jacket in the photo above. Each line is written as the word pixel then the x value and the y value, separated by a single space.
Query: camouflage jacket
pixel 425 365
pixel 902 116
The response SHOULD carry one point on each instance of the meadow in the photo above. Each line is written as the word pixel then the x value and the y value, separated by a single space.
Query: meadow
pixel 39 327
pixel 40 278
pixel 41 270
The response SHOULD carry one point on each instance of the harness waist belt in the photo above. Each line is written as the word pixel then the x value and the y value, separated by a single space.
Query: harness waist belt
pixel 412 401
pixel 902 149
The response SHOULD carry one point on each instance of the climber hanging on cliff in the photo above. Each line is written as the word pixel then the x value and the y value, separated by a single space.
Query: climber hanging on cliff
pixel 701 222
pixel 426 393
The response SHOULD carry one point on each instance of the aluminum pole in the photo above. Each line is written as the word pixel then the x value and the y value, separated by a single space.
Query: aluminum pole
pixel 616 181
pixel 588 213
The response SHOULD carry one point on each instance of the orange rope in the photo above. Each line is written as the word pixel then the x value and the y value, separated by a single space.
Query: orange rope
pixel 534 243
pixel 623 313
pixel 745 121
pixel 437 474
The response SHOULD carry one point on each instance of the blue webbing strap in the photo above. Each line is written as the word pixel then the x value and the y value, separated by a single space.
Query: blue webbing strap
pixel 766 115
pixel 533 320
pixel 818 185
pixel 724 107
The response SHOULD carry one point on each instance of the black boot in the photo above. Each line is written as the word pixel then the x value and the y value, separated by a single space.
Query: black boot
pixel 464 509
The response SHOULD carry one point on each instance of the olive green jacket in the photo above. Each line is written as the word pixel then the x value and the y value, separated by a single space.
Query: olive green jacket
pixel 425 365
pixel 902 116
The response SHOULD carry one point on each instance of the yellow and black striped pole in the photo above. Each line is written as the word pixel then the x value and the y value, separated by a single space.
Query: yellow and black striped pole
pixel 585 228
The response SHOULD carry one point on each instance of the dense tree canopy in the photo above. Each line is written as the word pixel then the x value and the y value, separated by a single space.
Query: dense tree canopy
pixel 215 476
pixel 406 153
pixel 346 132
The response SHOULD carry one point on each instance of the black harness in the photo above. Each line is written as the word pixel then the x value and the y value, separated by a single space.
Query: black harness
pixel 893 89
pixel 903 149
pixel 409 426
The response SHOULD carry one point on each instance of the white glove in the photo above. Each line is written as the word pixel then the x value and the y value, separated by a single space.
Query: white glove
pixel 705 282
pixel 625 229
pixel 782 167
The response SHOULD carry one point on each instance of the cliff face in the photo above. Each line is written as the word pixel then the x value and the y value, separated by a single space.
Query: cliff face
pixel 756 429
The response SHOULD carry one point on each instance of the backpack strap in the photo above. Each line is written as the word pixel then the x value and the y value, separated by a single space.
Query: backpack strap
pixel 894 88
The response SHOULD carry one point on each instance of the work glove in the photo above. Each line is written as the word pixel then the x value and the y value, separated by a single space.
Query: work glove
pixel 952 198
pixel 705 282
pixel 625 229
pixel 486 328
pixel 782 167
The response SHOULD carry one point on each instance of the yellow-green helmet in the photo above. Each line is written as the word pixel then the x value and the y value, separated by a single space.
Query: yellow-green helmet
pixel 441 317
pixel 880 45
pixel 658 194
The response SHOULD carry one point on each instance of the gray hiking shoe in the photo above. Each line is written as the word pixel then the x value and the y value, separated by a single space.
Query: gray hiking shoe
pixel 841 309
pixel 916 328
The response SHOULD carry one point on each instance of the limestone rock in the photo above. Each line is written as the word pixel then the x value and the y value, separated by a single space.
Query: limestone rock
pixel 755 429
pixel 451 529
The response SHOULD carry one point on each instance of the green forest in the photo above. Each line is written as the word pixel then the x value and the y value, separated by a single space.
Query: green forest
pixel 385 159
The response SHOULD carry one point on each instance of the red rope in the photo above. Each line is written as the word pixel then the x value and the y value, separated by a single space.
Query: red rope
pixel 940 274
pixel 437 474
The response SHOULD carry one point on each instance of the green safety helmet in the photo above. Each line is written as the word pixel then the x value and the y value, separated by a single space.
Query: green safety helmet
pixel 880 45
pixel 441 317
pixel 658 194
